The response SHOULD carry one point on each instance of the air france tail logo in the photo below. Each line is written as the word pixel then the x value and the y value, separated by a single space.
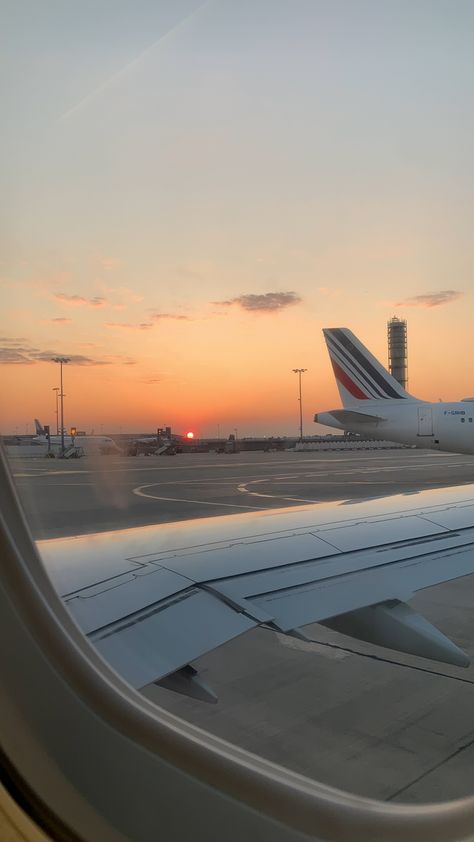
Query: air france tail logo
pixel 355 371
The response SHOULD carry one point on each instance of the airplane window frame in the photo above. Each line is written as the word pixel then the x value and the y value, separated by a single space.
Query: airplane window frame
pixel 271 793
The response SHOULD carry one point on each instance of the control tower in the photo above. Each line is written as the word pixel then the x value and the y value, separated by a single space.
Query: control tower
pixel 397 350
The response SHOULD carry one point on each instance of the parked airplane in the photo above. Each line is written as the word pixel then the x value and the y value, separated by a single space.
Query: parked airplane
pixel 90 444
pixel 376 405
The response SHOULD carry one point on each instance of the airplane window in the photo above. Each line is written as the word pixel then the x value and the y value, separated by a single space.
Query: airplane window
pixel 227 315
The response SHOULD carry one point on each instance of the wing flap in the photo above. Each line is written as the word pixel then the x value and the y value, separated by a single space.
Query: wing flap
pixel 319 601
pixel 161 640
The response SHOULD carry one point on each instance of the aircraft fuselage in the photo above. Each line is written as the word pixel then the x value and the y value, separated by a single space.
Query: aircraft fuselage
pixel 438 426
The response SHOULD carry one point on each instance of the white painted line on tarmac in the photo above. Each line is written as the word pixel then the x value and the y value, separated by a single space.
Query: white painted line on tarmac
pixel 329 460
pixel 141 493
pixel 297 499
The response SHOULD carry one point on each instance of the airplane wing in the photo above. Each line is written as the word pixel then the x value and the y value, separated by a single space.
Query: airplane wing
pixel 153 599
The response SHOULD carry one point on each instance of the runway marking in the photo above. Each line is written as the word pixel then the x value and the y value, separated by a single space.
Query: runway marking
pixel 244 489
pixel 39 473
pixel 140 493
pixel 90 484
pixel 315 479
pixel 329 460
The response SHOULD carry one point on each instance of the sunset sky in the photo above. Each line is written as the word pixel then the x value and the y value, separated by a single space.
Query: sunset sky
pixel 191 191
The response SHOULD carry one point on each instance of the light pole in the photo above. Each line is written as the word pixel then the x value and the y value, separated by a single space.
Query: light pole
pixel 299 372
pixel 56 389
pixel 61 361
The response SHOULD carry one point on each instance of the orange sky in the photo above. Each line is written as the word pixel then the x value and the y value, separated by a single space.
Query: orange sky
pixel 195 191
pixel 228 370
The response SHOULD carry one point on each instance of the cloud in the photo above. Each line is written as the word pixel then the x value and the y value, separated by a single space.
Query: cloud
pixel 157 317
pixel 13 353
pixel 79 300
pixel 152 380
pixel 73 359
pixel 129 325
pixel 13 340
pixel 268 302
pixel 431 299
pixel 8 356
pixel 59 320
pixel 31 356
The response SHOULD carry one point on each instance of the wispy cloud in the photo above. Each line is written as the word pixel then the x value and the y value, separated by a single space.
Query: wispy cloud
pixel 268 302
pixel 431 299
pixel 79 300
pixel 129 325
pixel 60 320
pixel 74 359
pixel 157 317
pixel 13 340
pixel 123 72
pixel 8 356
pixel 16 354
pixel 150 381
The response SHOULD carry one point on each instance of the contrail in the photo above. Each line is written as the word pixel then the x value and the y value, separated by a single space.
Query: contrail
pixel 120 74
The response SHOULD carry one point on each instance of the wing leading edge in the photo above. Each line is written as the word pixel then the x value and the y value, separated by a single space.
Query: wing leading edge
pixel 153 599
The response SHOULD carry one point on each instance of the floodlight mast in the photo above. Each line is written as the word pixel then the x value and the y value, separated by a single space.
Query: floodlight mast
pixel 57 390
pixel 61 361
pixel 299 372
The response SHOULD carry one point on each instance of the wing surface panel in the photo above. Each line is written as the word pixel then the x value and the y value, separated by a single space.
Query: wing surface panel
pixel 239 558
pixel 121 597
pixel 333 567
pixel 374 533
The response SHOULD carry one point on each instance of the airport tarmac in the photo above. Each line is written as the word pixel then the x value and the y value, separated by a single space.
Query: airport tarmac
pixel 365 719
pixel 71 497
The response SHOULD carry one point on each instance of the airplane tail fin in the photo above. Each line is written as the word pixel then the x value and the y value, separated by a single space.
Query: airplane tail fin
pixel 40 431
pixel 359 375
